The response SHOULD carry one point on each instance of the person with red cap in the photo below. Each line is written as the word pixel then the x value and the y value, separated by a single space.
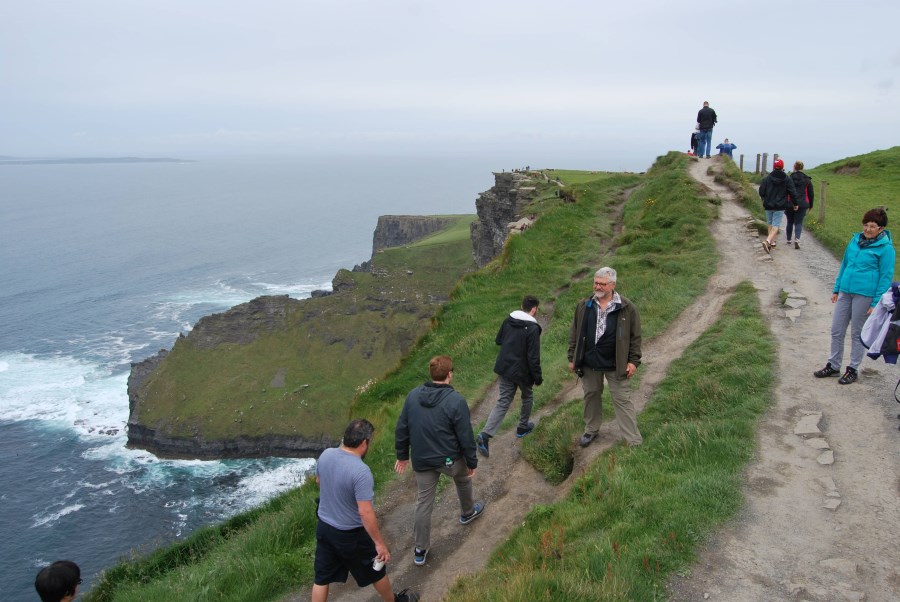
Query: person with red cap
pixel 776 191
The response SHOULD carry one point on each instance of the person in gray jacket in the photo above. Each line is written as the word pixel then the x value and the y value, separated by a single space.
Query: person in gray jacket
pixel 435 423
pixel 519 367
pixel 605 342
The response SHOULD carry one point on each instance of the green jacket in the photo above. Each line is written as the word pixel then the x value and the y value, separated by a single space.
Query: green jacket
pixel 628 335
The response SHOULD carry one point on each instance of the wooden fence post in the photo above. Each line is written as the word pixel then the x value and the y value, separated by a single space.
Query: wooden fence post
pixel 765 161
pixel 742 163
pixel 757 164
pixel 822 196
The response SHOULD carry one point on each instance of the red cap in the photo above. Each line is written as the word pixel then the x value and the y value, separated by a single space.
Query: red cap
pixel 778 164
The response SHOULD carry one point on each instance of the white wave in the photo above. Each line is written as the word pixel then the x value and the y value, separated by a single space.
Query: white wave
pixel 259 487
pixel 64 391
pixel 297 291
pixel 49 519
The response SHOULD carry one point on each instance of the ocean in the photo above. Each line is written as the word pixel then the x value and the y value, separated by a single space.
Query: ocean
pixel 102 265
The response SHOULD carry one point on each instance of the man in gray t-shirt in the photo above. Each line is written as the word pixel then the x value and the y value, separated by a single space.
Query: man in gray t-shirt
pixel 347 536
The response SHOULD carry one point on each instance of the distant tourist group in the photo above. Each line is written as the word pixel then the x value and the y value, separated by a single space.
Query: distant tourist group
pixel 434 433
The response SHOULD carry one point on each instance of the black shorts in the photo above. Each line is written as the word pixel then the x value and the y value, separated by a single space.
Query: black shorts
pixel 341 552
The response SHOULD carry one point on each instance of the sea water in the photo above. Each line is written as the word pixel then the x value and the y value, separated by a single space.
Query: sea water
pixel 102 265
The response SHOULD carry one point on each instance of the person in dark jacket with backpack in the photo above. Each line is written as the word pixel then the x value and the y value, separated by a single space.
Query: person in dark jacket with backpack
pixel 435 422
pixel 775 190
pixel 799 205
pixel 519 367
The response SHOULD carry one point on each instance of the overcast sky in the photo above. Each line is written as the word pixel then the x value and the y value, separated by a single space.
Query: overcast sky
pixel 582 84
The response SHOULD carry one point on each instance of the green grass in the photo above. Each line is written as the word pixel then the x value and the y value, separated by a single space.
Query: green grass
pixel 637 514
pixel 855 185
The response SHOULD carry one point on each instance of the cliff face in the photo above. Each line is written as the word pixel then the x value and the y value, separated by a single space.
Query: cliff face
pixel 498 208
pixel 399 230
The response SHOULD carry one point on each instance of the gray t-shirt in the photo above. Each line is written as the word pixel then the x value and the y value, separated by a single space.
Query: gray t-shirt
pixel 344 479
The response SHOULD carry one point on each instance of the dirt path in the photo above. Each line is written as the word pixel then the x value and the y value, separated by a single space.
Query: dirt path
pixel 512 487
pixel 787 544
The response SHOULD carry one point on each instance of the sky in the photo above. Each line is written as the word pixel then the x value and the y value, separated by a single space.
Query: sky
pixel 564 84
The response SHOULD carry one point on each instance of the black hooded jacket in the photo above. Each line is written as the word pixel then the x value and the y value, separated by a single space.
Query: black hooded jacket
pixel 435 422
pixel 805 192
pixel 519 359
pixel 775 189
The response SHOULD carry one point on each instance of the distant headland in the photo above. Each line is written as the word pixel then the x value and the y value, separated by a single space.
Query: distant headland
pixel 5 160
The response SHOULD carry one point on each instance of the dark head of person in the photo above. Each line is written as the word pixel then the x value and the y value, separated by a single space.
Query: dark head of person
pixel 440 368
pixel 358 432
pixel 58 581
pixel 874 222
pixel 529 303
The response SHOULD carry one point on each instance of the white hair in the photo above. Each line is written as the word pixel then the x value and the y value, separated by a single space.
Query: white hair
pixel 606 273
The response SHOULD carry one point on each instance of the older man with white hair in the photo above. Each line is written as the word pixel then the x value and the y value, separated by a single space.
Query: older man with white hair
pixel 605 342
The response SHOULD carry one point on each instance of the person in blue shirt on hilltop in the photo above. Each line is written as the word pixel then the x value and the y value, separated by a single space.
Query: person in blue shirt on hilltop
pixel 726 147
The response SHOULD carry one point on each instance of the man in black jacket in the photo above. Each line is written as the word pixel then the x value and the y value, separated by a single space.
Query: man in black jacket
pixel 435 422
pixel 775 190
pixel 519 366
pixel 706 120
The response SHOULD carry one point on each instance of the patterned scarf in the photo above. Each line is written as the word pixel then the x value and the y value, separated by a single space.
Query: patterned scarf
pixel 601 314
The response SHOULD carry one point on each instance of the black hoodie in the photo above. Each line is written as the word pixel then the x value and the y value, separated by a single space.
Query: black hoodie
pixel 435 421
pixel 519 359
pixel 775 189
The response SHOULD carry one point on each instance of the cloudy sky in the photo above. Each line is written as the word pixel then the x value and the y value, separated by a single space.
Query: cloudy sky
pixel 586 84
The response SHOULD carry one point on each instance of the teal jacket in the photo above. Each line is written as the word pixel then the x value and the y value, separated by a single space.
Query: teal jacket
pixel 867 271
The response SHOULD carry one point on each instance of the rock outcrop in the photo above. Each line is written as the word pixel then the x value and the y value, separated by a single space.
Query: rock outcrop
pixel 498 208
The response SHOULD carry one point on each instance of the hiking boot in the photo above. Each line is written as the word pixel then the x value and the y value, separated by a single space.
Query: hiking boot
pixel 406 596
pixel 587 439
pixel 521 432
pixel 481 441
pixel 419 557
pixel 465 519
pixel 797 244
pixel 828 370
pixel 849 376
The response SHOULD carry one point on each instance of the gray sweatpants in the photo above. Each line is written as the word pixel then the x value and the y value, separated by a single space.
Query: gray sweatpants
pixel 849 310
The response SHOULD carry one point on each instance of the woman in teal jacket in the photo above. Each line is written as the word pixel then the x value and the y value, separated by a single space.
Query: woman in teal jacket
pixel 866 273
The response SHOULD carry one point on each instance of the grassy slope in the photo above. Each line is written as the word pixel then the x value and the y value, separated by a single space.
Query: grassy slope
pixel 850 195
pixel 637 514
pixel 355 335
pixel 272 553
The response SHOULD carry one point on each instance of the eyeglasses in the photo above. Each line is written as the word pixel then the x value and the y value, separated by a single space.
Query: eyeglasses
pixel 602 283
pixel 871 226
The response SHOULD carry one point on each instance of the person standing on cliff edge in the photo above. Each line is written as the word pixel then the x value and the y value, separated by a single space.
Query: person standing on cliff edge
pixel 706 120
pixel 519 367
pixel 347 536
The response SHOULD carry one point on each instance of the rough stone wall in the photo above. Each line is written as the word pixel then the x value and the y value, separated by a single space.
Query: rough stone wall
pixel 397 230
pixel 497 207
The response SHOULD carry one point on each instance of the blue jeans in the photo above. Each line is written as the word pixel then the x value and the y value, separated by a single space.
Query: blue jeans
pixel 795 222
pixel 704 142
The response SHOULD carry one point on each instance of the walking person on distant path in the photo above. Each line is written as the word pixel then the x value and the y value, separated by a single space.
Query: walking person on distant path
pixel 725 148
pixel 799 205
pixel 605 342
pixel 706 120
pixel 775 190
pixel 519 366
pixel 347 536
pixel 58 582
pixel 435 422
pixel 865 274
